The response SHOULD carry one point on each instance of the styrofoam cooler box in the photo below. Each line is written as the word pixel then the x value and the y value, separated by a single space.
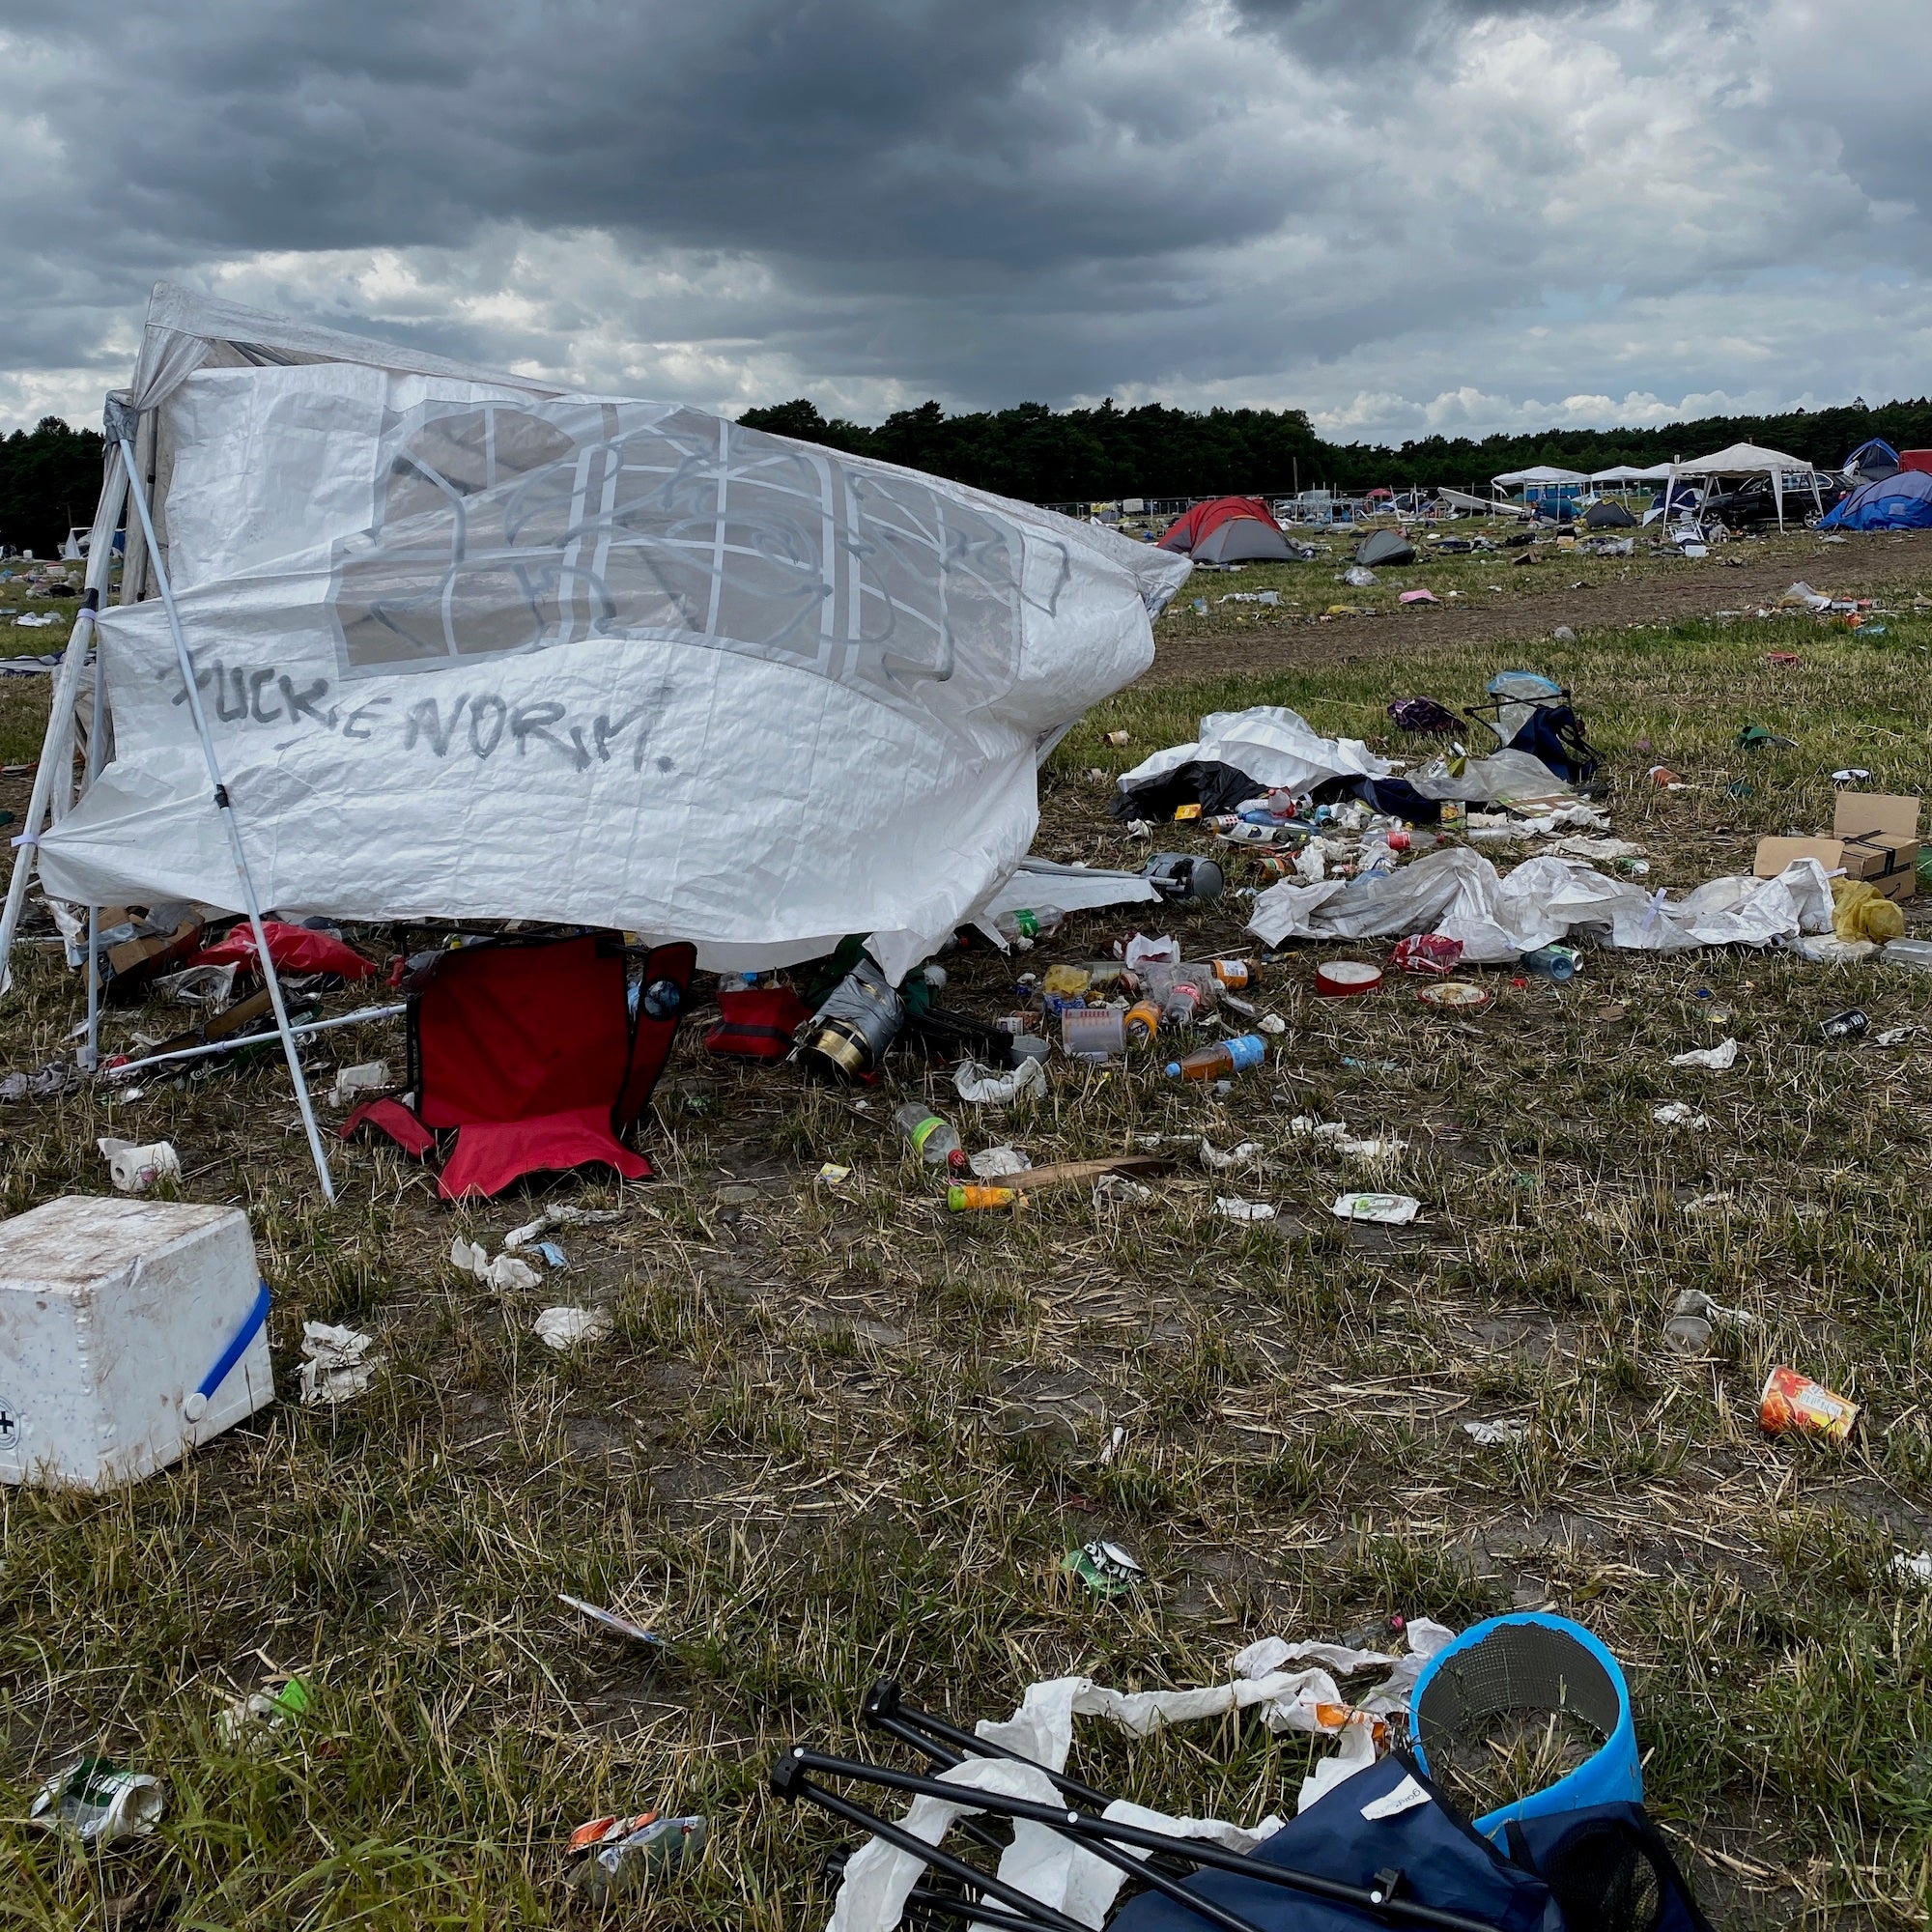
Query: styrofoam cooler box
pixel 131 1331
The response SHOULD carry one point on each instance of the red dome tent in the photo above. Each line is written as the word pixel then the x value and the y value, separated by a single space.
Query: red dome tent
pixel 1229 529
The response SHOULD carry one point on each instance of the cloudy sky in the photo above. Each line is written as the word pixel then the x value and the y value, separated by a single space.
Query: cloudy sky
pixel 1403 215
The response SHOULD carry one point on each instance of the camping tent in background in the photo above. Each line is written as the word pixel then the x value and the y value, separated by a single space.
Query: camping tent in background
pixel 1744 460
pixel 1871 462
pixel 462 646
pixel 1390 547
pixel 1229 529
pixel 1901 501
pixel 1608 516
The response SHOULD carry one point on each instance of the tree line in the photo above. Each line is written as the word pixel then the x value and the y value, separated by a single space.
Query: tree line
pixel 49 481
pixel 1046 456
pixel 50 475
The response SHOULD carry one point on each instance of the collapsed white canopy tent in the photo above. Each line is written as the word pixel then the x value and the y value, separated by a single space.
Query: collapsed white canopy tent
pixel 466 646
pixel 1742 460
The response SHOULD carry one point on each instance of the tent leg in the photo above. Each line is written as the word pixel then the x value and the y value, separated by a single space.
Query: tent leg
pixel 271 977
pixel 100 562
pixel 90 1055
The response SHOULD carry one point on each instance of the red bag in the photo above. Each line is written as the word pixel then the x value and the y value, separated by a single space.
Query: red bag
pixel 759 1022
pixel 295 949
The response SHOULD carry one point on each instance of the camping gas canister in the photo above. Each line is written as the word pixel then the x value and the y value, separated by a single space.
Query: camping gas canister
pixel 1182 875
pixel 848 1035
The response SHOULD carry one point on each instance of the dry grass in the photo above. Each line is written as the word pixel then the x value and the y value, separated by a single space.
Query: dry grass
pixel 839 1434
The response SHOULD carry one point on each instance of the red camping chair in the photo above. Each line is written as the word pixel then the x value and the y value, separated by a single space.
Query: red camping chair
pixel 530 1053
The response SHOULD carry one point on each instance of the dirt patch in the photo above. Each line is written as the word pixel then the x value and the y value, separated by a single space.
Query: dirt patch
pixel 1676 592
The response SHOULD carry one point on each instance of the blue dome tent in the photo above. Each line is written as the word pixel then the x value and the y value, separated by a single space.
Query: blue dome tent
pixel 1902 502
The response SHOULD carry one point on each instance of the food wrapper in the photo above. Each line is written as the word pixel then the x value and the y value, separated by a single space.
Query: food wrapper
pixel 1794 1405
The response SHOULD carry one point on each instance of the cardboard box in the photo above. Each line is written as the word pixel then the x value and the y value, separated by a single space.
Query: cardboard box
pixel 1880 835
pixel 1875 837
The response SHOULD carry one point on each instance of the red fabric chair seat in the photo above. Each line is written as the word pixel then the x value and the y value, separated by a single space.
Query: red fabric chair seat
pixel 530 1056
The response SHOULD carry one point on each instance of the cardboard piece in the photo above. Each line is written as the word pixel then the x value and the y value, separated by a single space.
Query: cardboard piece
pixel 1875 837
pixel 1880 835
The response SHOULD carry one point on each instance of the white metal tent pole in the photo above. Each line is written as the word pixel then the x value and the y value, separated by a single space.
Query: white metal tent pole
pixel 67 686
pixel 89 1058
pixel 272 979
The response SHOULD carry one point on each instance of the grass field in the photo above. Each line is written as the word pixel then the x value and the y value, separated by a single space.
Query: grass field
pixel 839 1434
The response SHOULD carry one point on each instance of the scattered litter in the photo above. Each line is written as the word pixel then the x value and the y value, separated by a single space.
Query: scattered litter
pixel 1459 994
pixel 995 1163
pixel 1847 1025
pixel 1236 1157
pixel 99 1804
pixel 1115 1442
pixel 337 1364
pixel 1430 952
pixel 199 985
pixel 1105 1567
pixel 1231 1207
pixel 562 1215
pixel 612 1857
pixel 831 1173
pixel 610 1621
pixel 505 1274
pixel 249 1722
pixel 1389 1211
pixel 1716 1057
pixel 1272 1024
pixel 1418 597
pixel 1224 1058
pixel 1496 1435
pixel 351 1082
pixel 134 1169
pixel 1346 978
pixel 1680 1114
pixel 982 1087
pixel 1912 1569
pixel 48 1083
pixel 564 1329
pixel 1791 1404
pixel 1116 1190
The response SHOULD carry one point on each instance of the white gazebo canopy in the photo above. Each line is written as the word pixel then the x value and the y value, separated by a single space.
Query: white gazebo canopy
pixel 1746 459
pixel 1543 474
pixel 1626 472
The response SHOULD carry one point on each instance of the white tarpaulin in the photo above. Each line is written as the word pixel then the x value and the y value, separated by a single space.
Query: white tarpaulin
pixel 1277 748
pixel 468 649
pixel 1459 893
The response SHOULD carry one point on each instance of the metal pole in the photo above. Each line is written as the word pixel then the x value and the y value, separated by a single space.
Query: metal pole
pixel 67 684
pixel 90 1055
pixel 122 1067
pixel 226 808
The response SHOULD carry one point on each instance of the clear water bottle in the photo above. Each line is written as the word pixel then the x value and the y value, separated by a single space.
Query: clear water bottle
pixel 1023 928
pixel 932 1139
pixel 1552 962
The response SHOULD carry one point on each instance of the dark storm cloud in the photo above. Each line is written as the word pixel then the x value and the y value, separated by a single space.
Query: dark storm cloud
pixel 984 201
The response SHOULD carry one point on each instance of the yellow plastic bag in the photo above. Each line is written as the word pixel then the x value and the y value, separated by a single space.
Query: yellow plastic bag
pixel 1860 911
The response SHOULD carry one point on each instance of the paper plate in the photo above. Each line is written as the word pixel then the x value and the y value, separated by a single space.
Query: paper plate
pixel 1463 994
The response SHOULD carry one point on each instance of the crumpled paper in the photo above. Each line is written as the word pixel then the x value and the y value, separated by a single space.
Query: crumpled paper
pixel 505 1273
pixel 985 1088
pixel 1459 893
pixel 339 1364
pixel 1716 1058
pixel 564 1329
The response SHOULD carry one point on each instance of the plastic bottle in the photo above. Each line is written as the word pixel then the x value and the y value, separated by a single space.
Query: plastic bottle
pixel 1914 952
pixel 933 1140
pixel 1022 927
pixel 1552 962
pixel 1217 1062
pixel 1182 1000
pixel 1142 1022
pixel 1234 974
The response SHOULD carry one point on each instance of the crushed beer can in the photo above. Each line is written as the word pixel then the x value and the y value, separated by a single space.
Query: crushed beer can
pixel 613 1856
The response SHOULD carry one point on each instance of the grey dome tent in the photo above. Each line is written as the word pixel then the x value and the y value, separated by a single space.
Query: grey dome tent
pixel 1384 546
pixel 1243 540
pixel 1608 516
